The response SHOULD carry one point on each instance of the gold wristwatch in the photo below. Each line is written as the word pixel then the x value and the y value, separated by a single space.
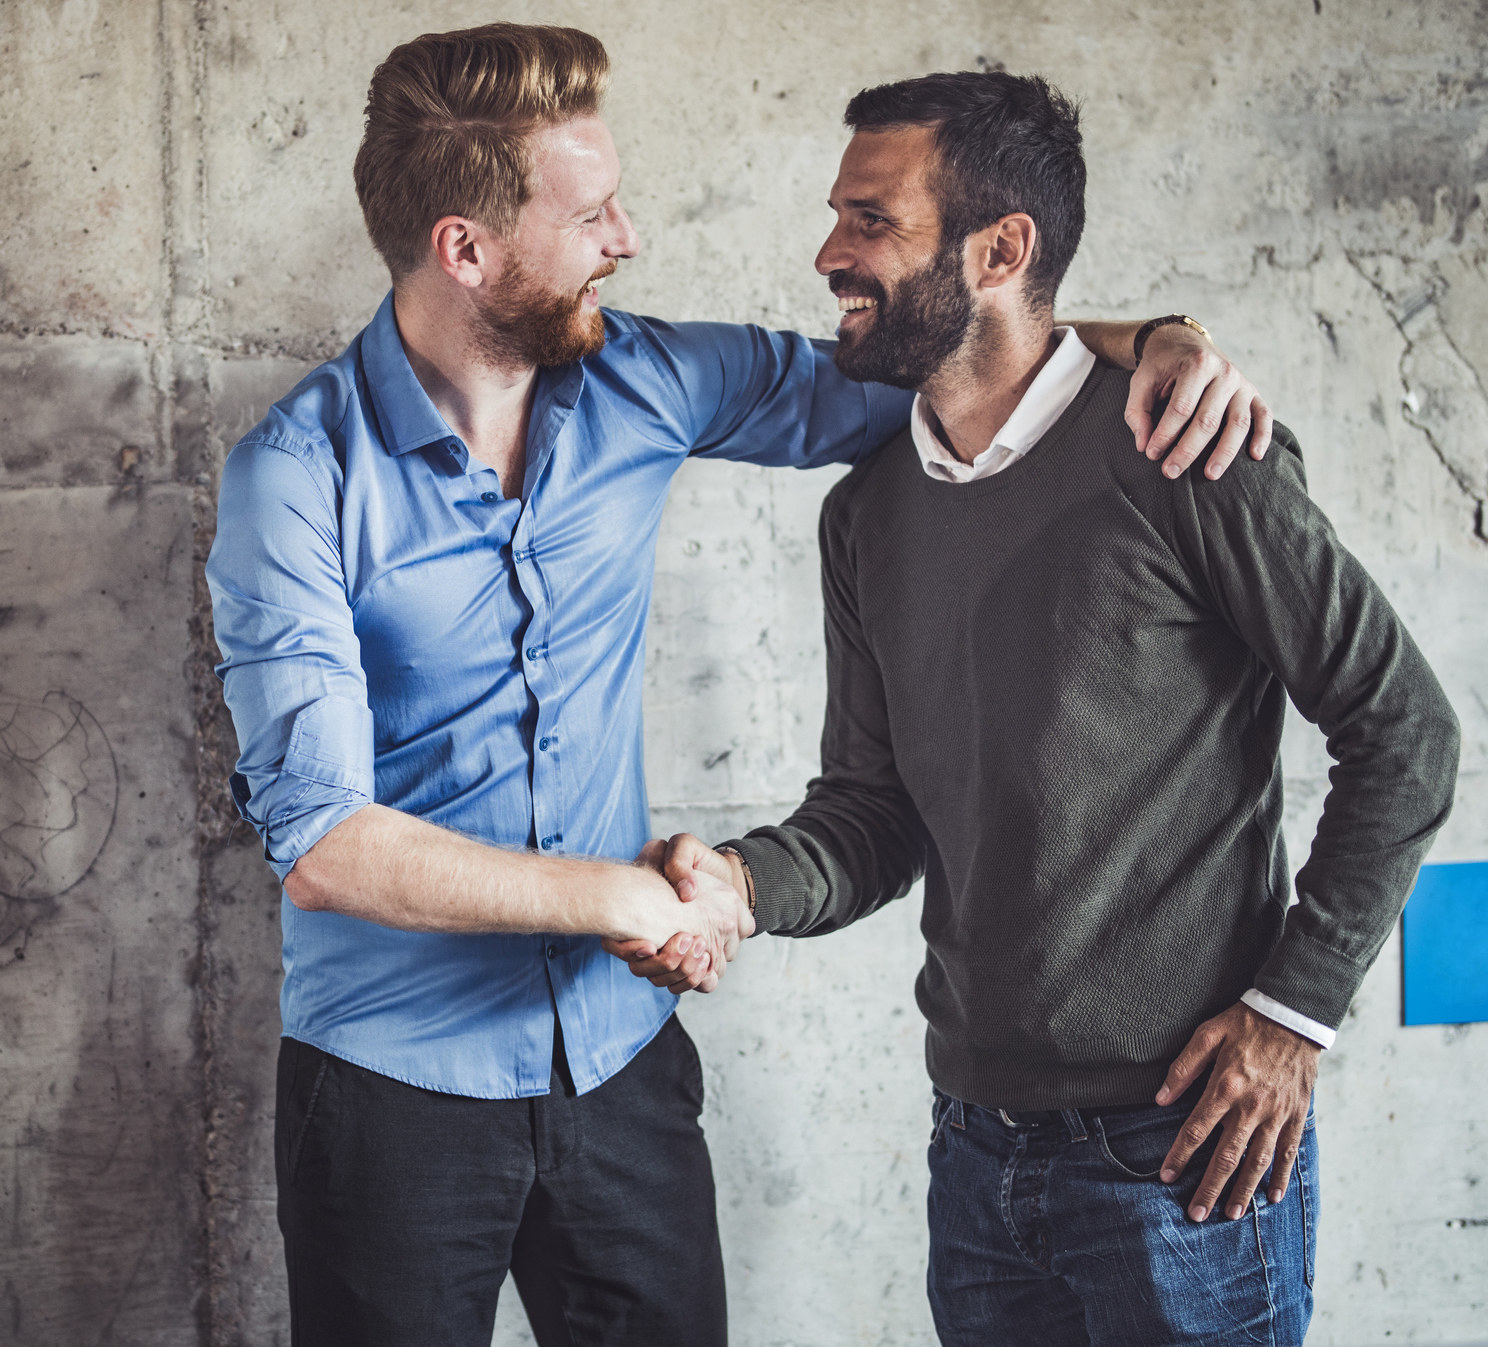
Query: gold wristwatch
pixel 1152 324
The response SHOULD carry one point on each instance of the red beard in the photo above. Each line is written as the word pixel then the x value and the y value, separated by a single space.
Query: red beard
pixel 527 324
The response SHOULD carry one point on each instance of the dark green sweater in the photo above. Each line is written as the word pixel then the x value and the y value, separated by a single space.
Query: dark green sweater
pixel 1058 693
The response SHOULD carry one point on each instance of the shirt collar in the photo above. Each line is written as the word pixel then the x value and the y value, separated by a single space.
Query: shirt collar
pixel 409 420
pixel 1053 389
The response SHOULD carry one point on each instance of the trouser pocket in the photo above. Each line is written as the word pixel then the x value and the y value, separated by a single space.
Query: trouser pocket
pixel 299 1101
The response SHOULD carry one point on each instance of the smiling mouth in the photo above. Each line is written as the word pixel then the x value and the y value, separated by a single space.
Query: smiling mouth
pixel 847 303
pixel 591 291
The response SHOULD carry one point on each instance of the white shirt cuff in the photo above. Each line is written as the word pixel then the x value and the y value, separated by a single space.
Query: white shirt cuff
pixel 1299 1024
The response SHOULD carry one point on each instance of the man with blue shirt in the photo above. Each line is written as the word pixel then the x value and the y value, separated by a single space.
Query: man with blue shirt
pixel 430 586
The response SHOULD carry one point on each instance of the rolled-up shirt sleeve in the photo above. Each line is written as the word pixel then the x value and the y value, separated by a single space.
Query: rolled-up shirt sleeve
pixel 291 663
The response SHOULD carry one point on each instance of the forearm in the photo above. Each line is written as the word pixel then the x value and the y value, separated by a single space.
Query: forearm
pixel 857 841
pixel 1278 575
pixel 1113 342
pixel 839 858
pixel 390 868
pixel 1396 743
pixel 1377 826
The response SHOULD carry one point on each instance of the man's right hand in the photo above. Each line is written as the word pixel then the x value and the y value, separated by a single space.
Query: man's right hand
pixel 715 884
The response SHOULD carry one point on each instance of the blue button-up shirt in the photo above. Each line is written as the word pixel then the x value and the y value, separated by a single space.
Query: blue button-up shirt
pixel 394 628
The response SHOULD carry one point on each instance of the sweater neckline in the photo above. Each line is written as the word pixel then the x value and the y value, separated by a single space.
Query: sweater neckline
pixel 1050 447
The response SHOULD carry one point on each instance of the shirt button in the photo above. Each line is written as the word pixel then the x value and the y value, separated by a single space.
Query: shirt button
pixel 533 652
pixel 552 951
pixel 542 745
pixel 547 843
pixel 490 497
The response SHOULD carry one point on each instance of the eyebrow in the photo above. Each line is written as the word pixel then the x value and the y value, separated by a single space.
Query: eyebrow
pixel 863 203
pixel 598 205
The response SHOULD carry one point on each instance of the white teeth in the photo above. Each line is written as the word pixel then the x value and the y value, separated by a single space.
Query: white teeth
pixel 848 302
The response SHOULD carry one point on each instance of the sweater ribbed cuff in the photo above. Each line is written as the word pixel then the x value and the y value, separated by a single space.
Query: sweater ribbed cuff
pixel 777 898
pixel 1311 978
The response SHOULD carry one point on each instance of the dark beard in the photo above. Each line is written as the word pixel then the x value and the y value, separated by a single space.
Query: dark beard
pixel 915 330
pixel 530 325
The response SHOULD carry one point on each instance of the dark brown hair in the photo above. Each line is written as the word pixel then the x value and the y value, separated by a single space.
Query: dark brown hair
pixel 1006 144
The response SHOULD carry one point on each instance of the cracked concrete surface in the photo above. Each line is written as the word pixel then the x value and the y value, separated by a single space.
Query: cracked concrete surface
pixel 1443 394
pixel 179 242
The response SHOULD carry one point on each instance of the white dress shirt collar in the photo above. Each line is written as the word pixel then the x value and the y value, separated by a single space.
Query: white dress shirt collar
pixel 1052 390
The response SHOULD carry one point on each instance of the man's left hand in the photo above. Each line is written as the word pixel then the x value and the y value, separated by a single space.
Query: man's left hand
pixel 1260 1090
pixel 1204 392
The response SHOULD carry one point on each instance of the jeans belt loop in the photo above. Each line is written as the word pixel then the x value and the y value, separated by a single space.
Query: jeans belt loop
pixel 1076 1124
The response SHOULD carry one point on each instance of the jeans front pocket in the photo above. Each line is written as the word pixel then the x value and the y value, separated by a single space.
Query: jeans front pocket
pixel 1137 1152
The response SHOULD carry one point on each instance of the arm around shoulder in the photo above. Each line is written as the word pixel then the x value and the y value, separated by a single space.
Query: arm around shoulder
pixel 753 394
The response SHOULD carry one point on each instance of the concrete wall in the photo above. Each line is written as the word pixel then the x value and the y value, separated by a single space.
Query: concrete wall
pixel 179 240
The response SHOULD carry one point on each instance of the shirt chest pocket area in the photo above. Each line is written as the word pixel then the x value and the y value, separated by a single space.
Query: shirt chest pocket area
pixel 459 609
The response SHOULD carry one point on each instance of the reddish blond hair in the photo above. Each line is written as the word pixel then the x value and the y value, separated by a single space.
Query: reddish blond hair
pixel 448 116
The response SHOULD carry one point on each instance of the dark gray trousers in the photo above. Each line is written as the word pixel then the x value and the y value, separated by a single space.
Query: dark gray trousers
pixel 403 1208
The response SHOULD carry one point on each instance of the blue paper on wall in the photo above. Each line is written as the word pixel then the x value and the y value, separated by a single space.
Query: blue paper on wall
pixel 1446 945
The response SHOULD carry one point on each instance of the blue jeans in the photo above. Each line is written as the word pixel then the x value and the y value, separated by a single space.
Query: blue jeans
pixel 1059 1233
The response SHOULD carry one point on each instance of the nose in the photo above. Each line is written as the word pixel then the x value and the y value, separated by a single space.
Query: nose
pixel 834 254
pixel 625 241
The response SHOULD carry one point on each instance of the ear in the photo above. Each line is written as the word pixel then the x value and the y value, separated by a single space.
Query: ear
pixel 466 252
pixel 1002 252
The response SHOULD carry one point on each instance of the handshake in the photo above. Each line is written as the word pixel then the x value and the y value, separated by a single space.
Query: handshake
pixel 701 911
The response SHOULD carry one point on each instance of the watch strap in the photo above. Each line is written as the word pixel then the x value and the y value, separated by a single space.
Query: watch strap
pixel 1139 342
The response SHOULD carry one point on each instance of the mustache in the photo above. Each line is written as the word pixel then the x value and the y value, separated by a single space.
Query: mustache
pixel 608 269
pixel 852 282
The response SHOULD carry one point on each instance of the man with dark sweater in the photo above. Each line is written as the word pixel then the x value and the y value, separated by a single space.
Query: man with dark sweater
pixel 1056 689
